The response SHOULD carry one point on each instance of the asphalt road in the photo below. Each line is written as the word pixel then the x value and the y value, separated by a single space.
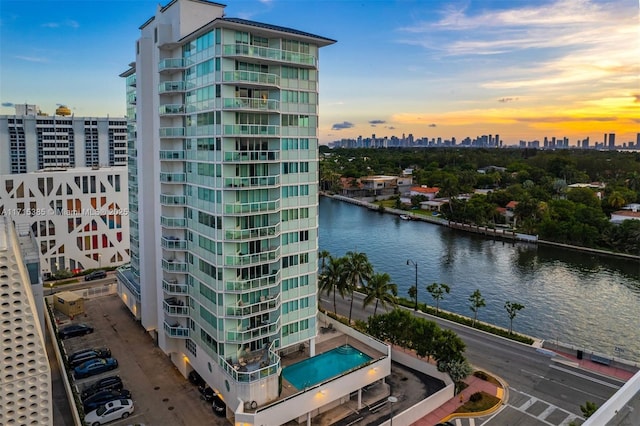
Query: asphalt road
pixel 542 390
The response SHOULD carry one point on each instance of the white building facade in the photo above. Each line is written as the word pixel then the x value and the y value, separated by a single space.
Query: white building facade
pixel 223 194
pixel 25 376
pixel 78 216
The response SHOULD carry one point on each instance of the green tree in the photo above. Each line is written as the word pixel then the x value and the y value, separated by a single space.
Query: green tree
pixel 413 293
pixel 458 370
pixel 356 270
pixel 438 291
pixel 323 255
pixel 588 409
pixel 512 310
pixel 477 302
pixel 331 280
pixel 380 288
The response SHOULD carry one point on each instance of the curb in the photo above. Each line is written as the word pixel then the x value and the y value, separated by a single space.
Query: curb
pixel 501 392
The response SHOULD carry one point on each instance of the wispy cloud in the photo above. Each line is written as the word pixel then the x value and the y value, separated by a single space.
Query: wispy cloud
pixel 341 126
pixel 504 100
pixel 69 23
pixel 38 59
pixel 7 104
pixel 433 125
pixel 374 123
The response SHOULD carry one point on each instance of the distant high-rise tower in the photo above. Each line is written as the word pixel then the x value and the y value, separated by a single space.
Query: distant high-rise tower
pixel 612 141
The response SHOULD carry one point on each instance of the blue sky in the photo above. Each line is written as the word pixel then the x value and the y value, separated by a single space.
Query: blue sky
pixel 523 69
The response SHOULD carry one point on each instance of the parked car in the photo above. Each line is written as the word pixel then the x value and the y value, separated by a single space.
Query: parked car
pixel 196 379
pixel 207 392
pixel 95 366
pixel 74 330
pixel 77 358
pixel 219 407
pixel 114 410
pixel 105 383
pixel 92 402
pixel 95 275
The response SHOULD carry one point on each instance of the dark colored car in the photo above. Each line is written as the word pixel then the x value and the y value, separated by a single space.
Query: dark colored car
pixel 196 379
pixel 95 366
pixel 97 399
pixel 207 392
pixel 95 275
pixel 106 383
pixel 218 406
pixel 77 358
pixel 74 330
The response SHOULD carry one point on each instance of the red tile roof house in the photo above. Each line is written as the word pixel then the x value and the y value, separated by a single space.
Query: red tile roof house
pixel 428 192
pixel 509 212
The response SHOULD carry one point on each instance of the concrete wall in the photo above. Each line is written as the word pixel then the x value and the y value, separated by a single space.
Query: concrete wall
pixel 419 365
pixel 421 409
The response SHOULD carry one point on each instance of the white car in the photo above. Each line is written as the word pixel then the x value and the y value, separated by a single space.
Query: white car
pixel 114 410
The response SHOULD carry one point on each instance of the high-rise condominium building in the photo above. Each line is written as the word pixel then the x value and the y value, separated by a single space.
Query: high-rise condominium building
pixel 25 376
pixel 66 178
pixel 224 193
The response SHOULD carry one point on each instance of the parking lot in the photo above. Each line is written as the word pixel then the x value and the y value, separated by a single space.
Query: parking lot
pixel 161 395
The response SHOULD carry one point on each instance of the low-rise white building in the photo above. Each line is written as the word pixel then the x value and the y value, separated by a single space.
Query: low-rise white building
pixel 79 216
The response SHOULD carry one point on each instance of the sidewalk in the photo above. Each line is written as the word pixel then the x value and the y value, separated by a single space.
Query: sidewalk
pixel 587 364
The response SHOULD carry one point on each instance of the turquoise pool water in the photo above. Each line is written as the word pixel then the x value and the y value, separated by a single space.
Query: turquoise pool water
pixel 324 366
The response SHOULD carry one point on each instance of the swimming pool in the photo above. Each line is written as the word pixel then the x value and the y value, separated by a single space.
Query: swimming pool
pixel 324 366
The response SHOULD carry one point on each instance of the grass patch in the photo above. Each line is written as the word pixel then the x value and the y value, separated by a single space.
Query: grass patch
pixel 484 403
pixel 59 283
pixel 484 376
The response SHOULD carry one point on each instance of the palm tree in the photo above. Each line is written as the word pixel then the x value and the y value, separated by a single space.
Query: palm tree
pixel 381 289
pixel 616 200
pixel 356 270
pixel 323 255
pixel 330 280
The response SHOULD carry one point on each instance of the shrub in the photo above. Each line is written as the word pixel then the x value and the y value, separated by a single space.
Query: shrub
pixel 475 397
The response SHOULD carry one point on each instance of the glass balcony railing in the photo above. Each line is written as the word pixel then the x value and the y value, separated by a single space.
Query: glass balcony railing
pixel 176 330
pixel 170 199
pixel 251 156
pixel 171 132
pixel 171 109
pixel 266 304
pixel 244 208
pixel 252 182
pixel 254 333
pixel 173 308
pixel 251 103
pixel 173 177
pixel 268 53
pixel 174 87
pixel 171 287
pixel 173 222
pixel 253 284
pixel 251 259
pixel 173 243
pixel 173 64
pixel 172 155
pixel 251 129
pixel 258 78
pixel 172 265
pixel 248 234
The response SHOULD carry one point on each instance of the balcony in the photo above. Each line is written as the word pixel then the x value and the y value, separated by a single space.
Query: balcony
pixel 173 265
pixel 173 222
pixel 173 177
pixel 251 78
pixel 176 330
pixel 172 155
pixel 250 104
pixel 251 156
pixel 175 307
pixel 247 208
pixel 250 130
pixel 252 182
pixel 173 64
pixel 251 259
pixel 173 243
pixel 240 336
pixel 269 54
pixel 253 284
pixel 253 233
pixel 174 87
pixel 173 200
pixel 266 305
pixel 171 109
pixel 171 132
pixel 172 288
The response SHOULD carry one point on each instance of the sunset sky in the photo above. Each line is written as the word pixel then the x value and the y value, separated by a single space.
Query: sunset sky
pixel 522 69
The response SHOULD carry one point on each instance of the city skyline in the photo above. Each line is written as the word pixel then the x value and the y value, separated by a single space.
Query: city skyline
pixel 523 70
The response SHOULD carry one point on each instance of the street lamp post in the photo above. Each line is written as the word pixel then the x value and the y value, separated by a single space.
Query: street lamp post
pixel 100 260
pixel 411 262
pixel 392 400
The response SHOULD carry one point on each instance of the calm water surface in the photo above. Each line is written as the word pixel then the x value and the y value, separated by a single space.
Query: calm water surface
pixel 588 301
